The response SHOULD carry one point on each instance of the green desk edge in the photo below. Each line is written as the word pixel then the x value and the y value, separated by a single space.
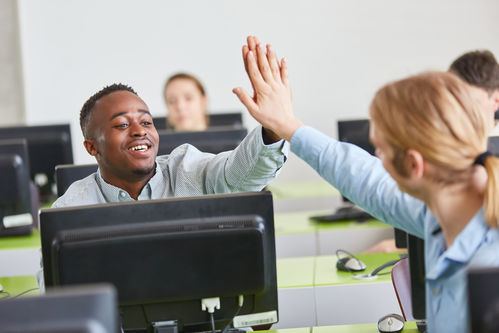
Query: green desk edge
pixel 14 285
pixel 21 242
pixel 409 327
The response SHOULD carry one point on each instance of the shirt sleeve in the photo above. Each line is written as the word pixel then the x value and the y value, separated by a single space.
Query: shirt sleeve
pixel 361 178
pixel 249 167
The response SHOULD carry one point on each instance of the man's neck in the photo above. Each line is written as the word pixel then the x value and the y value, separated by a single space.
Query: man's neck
pixel 133 184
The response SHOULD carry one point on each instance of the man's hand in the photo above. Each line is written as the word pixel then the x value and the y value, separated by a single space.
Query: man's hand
pixel 271 103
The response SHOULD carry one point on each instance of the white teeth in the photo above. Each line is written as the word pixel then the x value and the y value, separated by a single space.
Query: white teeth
pixel 139 148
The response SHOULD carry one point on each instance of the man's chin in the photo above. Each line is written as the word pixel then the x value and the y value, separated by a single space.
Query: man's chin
pixel 145 171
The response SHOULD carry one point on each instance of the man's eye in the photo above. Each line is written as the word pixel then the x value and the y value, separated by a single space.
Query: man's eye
pixel 124 125
pixel 146 123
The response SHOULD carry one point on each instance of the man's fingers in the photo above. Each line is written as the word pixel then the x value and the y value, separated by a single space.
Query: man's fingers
pixel 245 55
pixel 273 63
pixel 245 98
pixel 263 64
pixel 284 72
pixel 254 72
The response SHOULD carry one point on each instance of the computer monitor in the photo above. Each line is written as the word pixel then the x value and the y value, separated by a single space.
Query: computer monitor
pixel 48 146
pixel 493 145
pixel 214 140
pixel 234 119
pixel 67 174
pixel 483 299
pixel 356 132
pixel 15 197
pixel 164 256
pixel 415 248
pixel 84 309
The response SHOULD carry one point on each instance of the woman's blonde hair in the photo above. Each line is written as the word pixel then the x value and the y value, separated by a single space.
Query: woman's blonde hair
pixel 435 114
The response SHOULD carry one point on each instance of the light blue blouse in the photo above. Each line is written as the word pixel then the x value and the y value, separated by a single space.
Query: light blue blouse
pixel 361 178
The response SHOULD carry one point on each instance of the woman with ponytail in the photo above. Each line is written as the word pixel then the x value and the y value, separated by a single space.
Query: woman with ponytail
pixel 432 177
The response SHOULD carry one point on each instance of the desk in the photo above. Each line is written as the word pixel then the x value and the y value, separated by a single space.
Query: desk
pixel 20 255
pixel 295 283
pixel 341 299
pixel 14 285
pixel 409 327
pixel 297 235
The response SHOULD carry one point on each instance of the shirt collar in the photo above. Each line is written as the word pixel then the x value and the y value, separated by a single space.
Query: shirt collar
pixel 115 194
pixel 464 247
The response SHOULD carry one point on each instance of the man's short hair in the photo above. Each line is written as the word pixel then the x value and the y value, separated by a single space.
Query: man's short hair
pixel 479 68
pixel 88 107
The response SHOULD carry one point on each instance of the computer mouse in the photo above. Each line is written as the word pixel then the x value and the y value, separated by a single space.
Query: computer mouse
pixel 349 264
pixel 391 323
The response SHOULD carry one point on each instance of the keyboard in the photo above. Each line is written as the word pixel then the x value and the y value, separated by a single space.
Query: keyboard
pixel 344 214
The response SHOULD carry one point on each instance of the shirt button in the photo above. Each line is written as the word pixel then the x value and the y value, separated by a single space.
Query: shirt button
pixel 122 194
pixel 436 291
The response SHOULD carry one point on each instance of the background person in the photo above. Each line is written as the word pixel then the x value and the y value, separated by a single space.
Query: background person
pixel 186 101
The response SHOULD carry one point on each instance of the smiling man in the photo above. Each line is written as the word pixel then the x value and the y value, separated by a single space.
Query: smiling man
pixel 119 132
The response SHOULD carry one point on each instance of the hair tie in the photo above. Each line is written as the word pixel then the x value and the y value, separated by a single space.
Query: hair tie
pixel 481 158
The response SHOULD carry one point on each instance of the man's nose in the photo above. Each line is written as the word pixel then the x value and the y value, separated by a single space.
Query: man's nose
pixel 137 129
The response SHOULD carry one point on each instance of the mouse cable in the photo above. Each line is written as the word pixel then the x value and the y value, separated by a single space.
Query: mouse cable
pixel 9 296
pixel 382 267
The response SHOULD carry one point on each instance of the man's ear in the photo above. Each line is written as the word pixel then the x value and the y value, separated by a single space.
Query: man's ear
pixel 415 163
pixel 91 146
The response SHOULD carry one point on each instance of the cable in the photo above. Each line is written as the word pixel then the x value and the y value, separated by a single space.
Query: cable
pixel 385 265
pixel 212 320
pixel 7 295
pixel 240 306
pixel 24 292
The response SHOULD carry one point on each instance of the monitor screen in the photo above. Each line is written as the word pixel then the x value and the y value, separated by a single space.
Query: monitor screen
pixel 415 247
pixel 215 140
pixel 164 256
pixel 48 146
pixel 234 119
pixel 483 299
pixel 356 132
pixel 83 309
pixel 15 197
pixel 67 174
pixel 493 145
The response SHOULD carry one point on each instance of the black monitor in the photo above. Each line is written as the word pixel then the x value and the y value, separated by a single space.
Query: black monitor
pixel 415 248
pixel 164 256
pixel 48 146
pixel 15 196
pixel 493 145
pixel 234 119
pixel 67 174
pixel 84 309
pixel 214 140
pixel 356 132
pixel 483 299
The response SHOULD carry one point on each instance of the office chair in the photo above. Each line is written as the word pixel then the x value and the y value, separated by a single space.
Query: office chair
pixel 402 285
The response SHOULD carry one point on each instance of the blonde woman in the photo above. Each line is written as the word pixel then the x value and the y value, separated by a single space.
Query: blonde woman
pixel 432 178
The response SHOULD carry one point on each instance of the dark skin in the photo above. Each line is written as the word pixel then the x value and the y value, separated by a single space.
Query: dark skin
pixel 123 139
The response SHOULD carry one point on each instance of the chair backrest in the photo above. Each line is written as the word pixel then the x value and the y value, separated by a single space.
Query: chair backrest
pixel 402 284
pixel 67 174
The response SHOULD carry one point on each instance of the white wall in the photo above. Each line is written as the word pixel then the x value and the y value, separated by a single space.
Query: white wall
pixel 339 52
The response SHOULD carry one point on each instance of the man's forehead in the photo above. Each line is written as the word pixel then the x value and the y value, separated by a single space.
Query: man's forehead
pixel 120 101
